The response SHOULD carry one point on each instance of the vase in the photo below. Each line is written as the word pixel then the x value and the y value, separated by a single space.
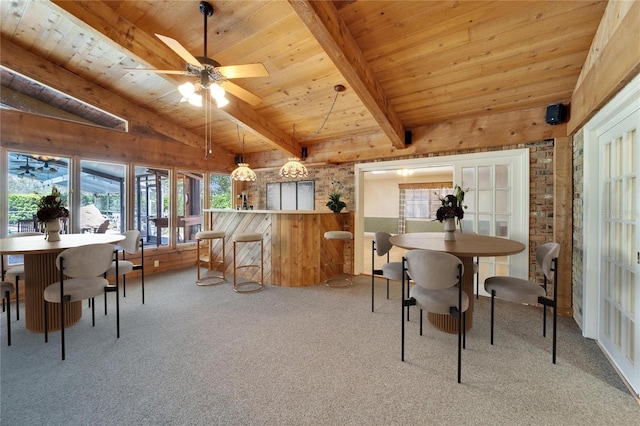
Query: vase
pixel 449 229
pixel 52 228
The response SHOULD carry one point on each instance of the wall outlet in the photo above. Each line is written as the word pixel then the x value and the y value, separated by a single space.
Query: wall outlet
pixel 156 263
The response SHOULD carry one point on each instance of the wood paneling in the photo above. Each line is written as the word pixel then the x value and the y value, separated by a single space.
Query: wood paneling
pixel 412 65
pixel 294 247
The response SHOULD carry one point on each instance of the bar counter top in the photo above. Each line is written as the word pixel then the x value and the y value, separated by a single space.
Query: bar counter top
pixel 273 211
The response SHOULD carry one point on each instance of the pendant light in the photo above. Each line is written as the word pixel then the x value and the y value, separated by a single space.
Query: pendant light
pixel 243 172
pixel 294 168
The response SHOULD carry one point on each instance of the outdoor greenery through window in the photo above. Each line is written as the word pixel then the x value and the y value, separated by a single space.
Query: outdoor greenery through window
pixel 100 197
pixel 220 192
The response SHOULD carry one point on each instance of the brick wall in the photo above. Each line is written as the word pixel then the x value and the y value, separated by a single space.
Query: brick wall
pixel 540 191
pixel 577 284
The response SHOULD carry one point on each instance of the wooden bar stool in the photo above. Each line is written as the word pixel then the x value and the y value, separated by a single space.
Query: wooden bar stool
pixel 333 281
pixel 208 259
pixel 248 286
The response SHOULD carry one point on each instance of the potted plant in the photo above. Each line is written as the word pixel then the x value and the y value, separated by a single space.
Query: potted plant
pixel 335 204
pixel 50 210
pixel 452 211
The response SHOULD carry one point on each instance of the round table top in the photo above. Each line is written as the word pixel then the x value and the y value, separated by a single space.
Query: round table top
pixel 37 243
pixel 465 245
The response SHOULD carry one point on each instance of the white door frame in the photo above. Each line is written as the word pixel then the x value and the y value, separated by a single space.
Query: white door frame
pixel 521 234
pixel 623 104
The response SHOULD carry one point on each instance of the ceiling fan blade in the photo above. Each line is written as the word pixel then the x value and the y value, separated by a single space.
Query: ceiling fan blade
pixel 156 71
pixel 181 51
pixel 243 71
pixel 241 93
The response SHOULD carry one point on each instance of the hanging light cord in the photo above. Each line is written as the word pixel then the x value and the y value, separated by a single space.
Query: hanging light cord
pixel 338 90
pixel 238 132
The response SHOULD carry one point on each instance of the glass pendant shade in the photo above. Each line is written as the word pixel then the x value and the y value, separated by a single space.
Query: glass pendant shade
pixel 294 169
pixel 243 172
pixel 187 89
pixel 195 100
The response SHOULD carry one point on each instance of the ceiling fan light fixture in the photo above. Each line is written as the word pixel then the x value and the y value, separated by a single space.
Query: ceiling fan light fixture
pixel 195 100
pixel 243 173
pixel 294 169
pixel 217 91
pixel 222 101
pixel 187 89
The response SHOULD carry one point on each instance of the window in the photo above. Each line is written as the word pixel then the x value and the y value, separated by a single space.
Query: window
pixel 422 199
pixel 291 195
pixel 190 198
pixel 30 176
pixel 220 191
pixel 102 199
pixel 152 205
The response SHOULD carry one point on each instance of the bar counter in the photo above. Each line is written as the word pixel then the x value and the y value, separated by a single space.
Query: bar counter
pixel 294 246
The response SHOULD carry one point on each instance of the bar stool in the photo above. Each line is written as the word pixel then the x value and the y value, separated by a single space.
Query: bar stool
pixel 338 282
pixel 208 260
pixel 253 286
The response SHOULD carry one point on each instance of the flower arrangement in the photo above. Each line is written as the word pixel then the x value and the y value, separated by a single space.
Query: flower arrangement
pixel 335 204
pixel 452 205
pixel 50 207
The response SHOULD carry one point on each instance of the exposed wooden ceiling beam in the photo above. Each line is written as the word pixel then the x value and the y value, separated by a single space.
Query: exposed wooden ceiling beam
pixel 322 19
pixel 147 49
pixel 140 120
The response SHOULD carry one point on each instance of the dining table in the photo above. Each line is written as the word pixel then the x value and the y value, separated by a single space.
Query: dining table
pixel 466 246
pixel 40 271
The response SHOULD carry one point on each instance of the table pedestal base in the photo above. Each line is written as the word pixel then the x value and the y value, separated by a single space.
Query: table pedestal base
pixel 40 271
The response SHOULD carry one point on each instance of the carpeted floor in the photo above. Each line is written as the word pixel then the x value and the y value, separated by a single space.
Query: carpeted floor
pixel 296 356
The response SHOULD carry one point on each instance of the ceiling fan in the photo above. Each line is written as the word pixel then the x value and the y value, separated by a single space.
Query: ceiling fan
pixel 26 169
pixel 210 74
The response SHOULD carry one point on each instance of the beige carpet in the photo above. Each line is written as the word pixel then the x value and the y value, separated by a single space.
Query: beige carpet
pixel 301 356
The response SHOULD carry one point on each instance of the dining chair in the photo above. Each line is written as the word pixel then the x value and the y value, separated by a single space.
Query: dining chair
pixel 6 288
pixel 16 271
pixel 103 227
pixel 81 277
pixel 476 264
pixel 436 275
pixel 381 246
pixel 131 244
pixel 523 291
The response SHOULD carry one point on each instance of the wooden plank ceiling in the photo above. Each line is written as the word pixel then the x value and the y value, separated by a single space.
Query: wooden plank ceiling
pixel 405 64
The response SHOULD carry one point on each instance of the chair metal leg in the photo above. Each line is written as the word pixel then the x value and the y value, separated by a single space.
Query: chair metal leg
pixel 460 327
pixel 46 322
pixel 17 299
pixel 493 301
pixel 421 322
pixel 118 307
pixel 93 310
pixel 7 294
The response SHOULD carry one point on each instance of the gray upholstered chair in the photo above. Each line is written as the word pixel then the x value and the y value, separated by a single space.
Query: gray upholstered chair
pixel 81 277
pixel 476 264
pixel 208 259
pixel 436 275
pixel 6 288
pixel 523 291
pixel 131 244
pixel 332 281
pixel 381 246
pixel 15 272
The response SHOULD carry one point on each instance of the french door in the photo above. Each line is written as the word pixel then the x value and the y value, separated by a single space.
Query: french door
pixel 619 295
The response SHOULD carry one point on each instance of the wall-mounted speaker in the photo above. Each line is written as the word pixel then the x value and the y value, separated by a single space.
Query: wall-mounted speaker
pixel 408 137
pixel 556 113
